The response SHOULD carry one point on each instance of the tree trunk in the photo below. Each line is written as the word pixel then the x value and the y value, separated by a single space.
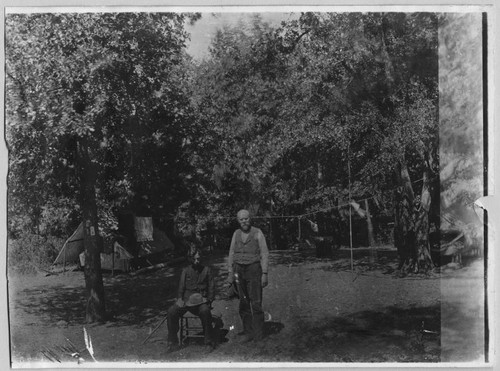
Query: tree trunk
pixel 336 226
pixel 404 230
pixel 424 259
pixel 95 308
pixel 411 227
pixel 371 239
pixel 388 68
pixel 369 224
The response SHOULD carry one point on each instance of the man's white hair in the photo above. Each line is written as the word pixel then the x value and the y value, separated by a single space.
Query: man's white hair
pixel 243 212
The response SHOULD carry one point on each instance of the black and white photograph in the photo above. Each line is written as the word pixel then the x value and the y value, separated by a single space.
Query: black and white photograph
pixel 248 186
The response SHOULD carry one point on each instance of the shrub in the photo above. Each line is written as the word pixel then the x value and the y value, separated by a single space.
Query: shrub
pixel 30 252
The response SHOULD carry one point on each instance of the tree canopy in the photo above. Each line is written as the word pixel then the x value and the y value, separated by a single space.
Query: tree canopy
pixel 323 87
pixel 97 121
pixel 282 119
pixel 115 80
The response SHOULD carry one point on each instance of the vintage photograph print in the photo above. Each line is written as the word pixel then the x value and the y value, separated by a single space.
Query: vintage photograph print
pixel 247 187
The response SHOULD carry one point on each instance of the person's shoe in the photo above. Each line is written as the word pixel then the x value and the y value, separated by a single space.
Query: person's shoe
pixel 210 346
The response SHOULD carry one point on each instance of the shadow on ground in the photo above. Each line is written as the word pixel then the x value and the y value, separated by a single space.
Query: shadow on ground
pixel 272 328
pixel 406 335
pixel 391 335
pixel 130 300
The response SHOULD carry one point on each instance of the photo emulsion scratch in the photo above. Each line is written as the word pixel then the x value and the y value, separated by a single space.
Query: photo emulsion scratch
pixel 247 187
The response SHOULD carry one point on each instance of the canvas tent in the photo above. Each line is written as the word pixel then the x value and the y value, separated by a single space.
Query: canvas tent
pixel 159 244
pixel 151 242
pixel 73 252
pixel 71 248
pixel 119 262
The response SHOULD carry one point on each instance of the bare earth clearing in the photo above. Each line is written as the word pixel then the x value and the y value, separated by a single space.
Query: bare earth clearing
pixel 321 311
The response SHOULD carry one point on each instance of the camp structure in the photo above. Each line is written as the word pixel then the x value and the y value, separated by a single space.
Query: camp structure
pixel 119 260
pixel 72 248
pixel 150 240
pixel 73 252
pixel 151 246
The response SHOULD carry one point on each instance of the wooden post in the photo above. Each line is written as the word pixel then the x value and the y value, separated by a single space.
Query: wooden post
pixel 298 219
pixel 350 207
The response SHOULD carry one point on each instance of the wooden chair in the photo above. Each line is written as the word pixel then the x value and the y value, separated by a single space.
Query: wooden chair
pixel 190 327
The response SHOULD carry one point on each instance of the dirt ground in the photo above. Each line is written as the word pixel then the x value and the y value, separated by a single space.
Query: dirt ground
pixel 320 311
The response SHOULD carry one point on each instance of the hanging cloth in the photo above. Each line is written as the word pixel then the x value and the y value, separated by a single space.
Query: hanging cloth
pixel 358 209
pixel 143 229
pixel 314 226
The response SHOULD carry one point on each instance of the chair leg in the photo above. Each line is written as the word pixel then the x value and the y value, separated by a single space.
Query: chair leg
pixel 181 331
pixel 187 329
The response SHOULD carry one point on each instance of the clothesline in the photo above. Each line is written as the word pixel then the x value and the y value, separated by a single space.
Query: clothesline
pixel 300 216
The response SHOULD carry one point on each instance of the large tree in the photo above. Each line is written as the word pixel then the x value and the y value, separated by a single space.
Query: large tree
pixel 297 105
pixel 90 99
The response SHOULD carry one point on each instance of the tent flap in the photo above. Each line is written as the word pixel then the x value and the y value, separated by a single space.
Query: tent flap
pixel 71 248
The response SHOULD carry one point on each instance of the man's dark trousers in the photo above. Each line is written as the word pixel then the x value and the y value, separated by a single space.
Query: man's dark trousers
pixel 250 287
pixel 175 312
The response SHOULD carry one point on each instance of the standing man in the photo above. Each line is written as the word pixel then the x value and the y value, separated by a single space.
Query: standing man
pixel 196 293
pixel 247 267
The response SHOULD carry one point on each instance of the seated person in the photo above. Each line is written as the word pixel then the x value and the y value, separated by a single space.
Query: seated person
pixel 196 293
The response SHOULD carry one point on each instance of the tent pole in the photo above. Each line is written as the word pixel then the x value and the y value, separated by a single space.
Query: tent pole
pixel 350 211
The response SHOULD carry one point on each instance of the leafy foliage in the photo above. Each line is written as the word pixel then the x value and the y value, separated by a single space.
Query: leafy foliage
pixel 111 80
pixel 289 107
pixel 32 252
pixel 281 120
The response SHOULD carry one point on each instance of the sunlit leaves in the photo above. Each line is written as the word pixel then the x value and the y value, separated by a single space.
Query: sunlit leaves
pixel 110 79
pixel 321 90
